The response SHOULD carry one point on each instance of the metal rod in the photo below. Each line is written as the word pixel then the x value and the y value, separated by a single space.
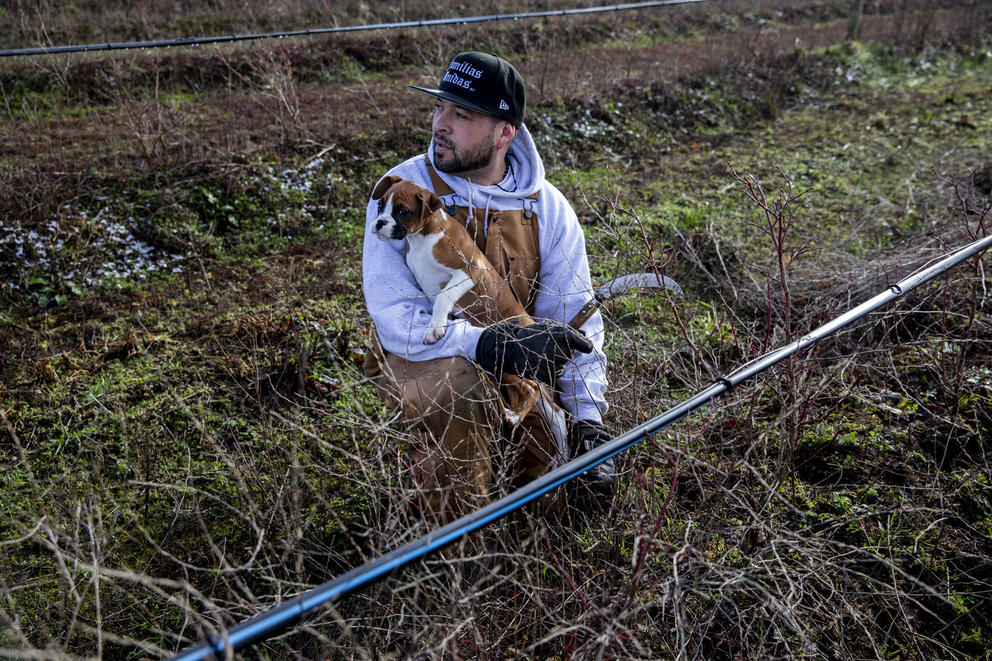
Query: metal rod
pixel 277 619
pixel 621 285
pixel 199 41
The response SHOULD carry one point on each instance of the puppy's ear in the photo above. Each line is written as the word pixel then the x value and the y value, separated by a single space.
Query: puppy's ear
pixel 384 184
pixel 431 202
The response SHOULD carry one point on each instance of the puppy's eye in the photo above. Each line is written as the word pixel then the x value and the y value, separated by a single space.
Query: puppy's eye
pixel 380 206
pixel 402 213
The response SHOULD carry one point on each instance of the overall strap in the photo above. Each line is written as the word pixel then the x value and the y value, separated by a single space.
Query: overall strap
pixel 441 189
pixel 510 242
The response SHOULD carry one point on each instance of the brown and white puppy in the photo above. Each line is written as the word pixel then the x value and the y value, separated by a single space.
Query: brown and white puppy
pixel 453 272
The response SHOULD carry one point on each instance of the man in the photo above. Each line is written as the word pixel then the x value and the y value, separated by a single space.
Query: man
pixel 484 165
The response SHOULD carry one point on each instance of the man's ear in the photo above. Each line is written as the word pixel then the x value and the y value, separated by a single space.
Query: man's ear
pixel 506 134
pixel 384 184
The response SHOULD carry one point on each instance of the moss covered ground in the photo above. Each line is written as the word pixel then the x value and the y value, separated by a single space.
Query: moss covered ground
pixel 188 438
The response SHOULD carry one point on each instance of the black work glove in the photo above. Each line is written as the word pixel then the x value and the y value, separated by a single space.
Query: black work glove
pixel 586 435
pixel 538 351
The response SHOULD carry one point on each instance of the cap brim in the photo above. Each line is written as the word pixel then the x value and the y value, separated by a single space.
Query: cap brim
pixel 447 96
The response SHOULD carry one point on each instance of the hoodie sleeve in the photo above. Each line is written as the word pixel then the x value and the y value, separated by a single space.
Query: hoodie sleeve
pixel 565 287
pixel 400 310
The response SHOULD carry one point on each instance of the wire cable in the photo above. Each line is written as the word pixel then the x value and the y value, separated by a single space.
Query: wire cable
pixel 199 41
pixel 268 623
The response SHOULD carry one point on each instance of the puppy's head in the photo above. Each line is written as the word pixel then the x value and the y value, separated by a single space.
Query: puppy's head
pixel 403 207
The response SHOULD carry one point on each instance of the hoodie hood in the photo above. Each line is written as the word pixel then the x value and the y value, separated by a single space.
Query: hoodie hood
pixel 524 177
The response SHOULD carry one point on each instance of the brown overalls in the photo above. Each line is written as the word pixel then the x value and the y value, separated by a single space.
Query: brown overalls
pixel 459 446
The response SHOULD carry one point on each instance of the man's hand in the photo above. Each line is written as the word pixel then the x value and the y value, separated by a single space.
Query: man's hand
pixel 538 351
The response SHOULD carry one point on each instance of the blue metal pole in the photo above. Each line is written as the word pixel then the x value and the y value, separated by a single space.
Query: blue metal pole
pixel 279 618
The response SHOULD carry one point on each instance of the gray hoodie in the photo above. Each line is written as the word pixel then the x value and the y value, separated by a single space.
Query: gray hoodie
pixel 401 311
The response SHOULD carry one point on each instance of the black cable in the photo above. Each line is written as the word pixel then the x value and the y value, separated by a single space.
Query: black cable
pixel 199 41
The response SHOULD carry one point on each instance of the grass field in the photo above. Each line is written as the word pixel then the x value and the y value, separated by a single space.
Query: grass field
pixel 187 438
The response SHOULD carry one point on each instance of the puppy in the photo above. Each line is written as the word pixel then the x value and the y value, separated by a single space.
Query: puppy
pixel 454 273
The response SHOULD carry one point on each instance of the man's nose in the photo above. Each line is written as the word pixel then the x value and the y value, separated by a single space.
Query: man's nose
pixel 441 122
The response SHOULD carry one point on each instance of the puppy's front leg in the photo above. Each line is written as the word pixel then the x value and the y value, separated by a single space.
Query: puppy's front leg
pixel 444 303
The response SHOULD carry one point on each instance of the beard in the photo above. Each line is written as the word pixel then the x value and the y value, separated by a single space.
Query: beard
pixel 470 159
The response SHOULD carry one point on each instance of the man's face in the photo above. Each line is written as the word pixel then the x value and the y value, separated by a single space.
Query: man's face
pixel 465 141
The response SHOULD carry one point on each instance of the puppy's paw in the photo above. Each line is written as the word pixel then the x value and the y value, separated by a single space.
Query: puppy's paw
pixel 512 419
pixel 433 334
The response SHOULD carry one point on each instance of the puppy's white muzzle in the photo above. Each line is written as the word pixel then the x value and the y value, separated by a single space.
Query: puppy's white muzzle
pixel 384 227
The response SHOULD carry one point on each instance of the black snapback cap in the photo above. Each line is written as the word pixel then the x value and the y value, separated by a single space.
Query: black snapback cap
pixel 483 82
